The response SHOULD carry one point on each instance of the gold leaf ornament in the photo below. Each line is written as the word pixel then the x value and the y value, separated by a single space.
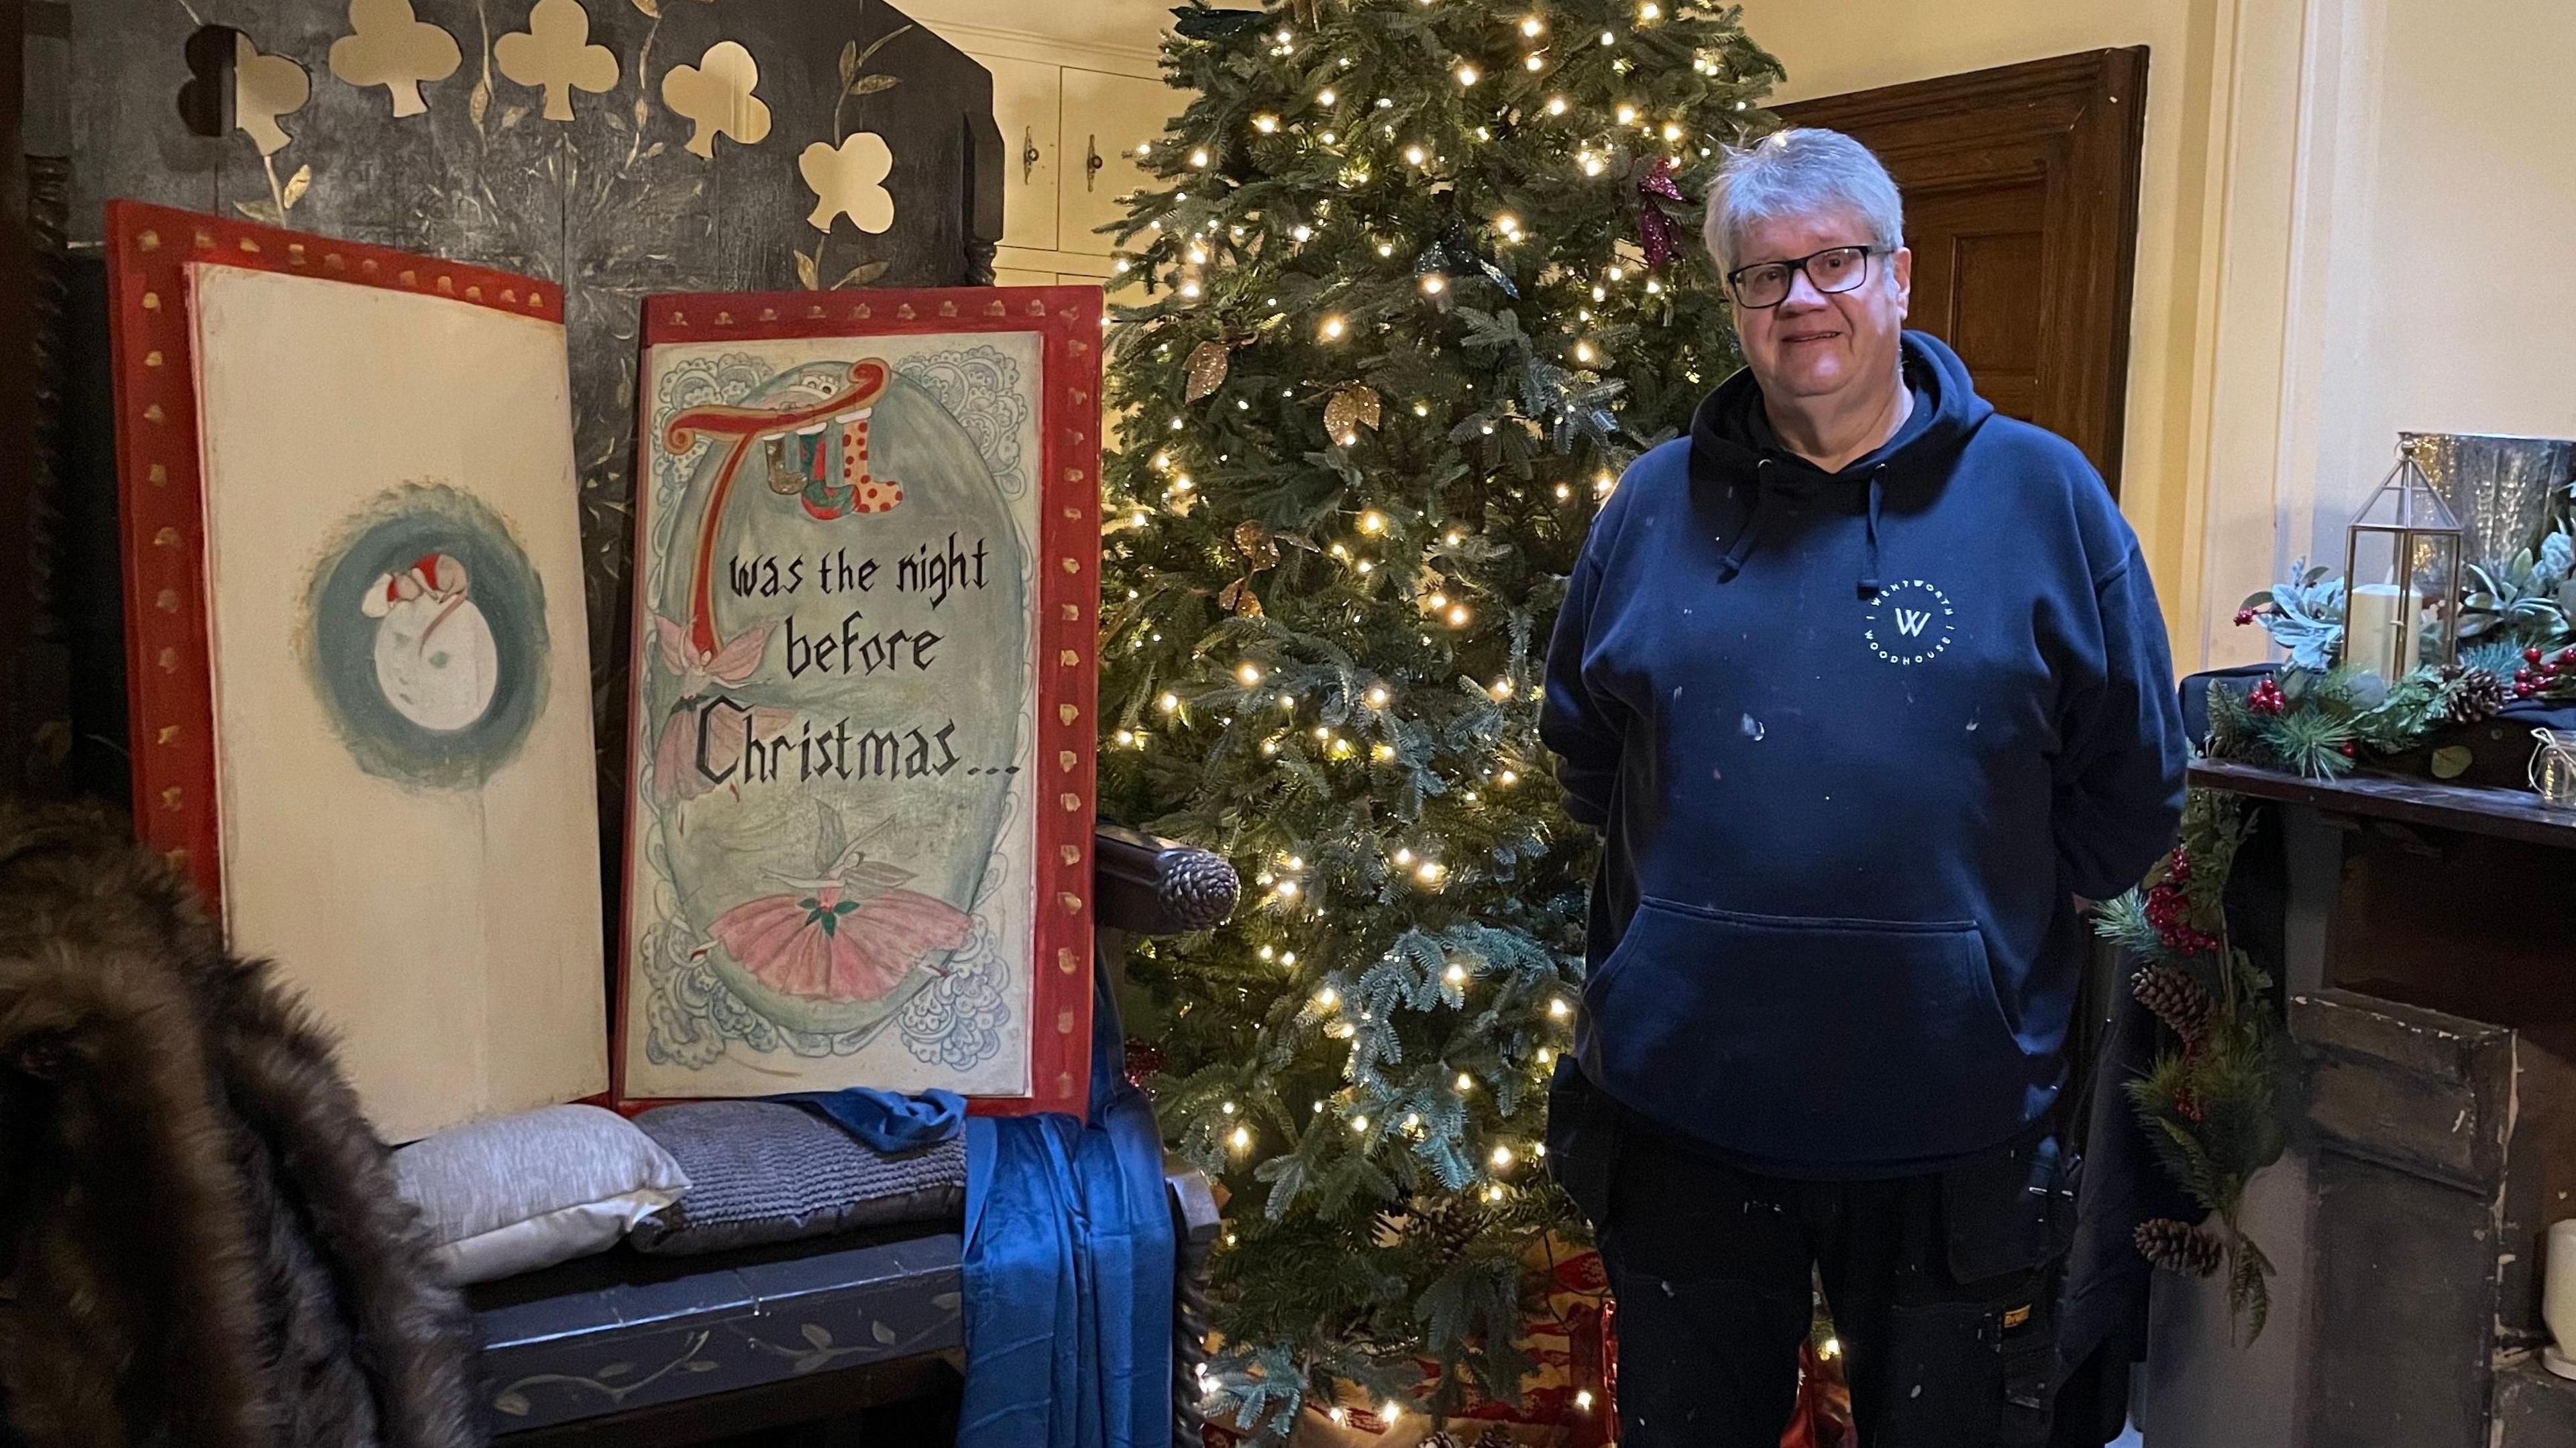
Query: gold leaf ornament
pixel 1259 545
pixel 1206 370
pixel 1351 405
pixel 1260 549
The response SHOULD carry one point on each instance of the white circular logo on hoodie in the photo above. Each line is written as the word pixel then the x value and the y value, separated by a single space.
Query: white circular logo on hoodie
pixel 1910 622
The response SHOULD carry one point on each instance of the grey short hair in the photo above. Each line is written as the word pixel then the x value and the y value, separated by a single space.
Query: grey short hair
pixel 1797 172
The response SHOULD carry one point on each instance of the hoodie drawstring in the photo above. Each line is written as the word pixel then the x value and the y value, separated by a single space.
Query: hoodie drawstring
pixel 1733 563
pixel 1869 580
pixel 1751 533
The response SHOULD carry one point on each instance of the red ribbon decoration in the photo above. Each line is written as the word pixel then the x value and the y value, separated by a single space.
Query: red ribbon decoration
pixel 1655 230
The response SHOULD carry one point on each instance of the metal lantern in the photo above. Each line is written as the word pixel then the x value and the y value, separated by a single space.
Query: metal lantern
pixel 2402 576
pixel 2502 489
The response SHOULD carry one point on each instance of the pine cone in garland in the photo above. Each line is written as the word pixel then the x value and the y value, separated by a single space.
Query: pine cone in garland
pixel 2471 696
pixel 2179 1247
pixel 2176 999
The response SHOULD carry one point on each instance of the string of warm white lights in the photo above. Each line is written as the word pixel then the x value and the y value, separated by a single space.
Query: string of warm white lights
pixel 1397 339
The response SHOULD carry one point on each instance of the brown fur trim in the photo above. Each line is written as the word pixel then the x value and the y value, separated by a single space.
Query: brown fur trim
pixel 202 1241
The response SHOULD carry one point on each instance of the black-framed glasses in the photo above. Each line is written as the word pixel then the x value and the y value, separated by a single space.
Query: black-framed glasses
pixel 1765 284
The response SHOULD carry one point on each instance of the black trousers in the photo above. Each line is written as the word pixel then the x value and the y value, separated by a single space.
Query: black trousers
pixel 1942 1287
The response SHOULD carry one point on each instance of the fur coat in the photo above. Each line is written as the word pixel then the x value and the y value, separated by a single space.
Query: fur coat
pixel 200 1242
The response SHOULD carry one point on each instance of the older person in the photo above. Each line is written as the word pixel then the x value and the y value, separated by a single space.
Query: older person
pixel 1864 686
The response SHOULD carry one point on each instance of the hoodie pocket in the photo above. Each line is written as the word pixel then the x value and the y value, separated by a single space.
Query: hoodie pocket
pixel 1805 1040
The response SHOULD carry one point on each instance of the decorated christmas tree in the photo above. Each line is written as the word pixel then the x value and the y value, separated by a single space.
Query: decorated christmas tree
pixel 1421 278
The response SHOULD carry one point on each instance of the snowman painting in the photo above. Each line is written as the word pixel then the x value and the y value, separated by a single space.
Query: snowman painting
pixel 436 661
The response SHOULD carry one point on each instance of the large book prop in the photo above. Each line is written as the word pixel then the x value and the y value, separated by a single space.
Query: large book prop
pixel 860 805
pixel 359 676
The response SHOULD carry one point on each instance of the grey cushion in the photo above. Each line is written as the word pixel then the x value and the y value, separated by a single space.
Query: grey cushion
pixel 524 1192
pixel 764 1171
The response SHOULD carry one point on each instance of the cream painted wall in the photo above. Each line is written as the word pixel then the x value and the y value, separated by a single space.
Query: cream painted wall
pixel 2313 170
pixel 1845 45
pixel 2382 140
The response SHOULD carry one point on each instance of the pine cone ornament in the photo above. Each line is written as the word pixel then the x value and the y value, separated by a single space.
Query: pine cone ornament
pixel 2176 999
pixel 2179 1247
pixel 2471 696
pixel 1199 888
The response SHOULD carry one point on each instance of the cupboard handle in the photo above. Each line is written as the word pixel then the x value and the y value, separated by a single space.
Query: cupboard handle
pixel 1091 162
pixel 1029 156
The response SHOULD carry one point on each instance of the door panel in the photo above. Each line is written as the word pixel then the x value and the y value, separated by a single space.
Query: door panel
pixel 1027 104
pixel 1105 118
pixel 2021 207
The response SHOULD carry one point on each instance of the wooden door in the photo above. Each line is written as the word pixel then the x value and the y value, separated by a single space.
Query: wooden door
pixel 2021 206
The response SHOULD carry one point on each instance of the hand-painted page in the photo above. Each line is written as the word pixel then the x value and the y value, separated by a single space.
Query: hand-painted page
pixel 840 845
pixel 402 734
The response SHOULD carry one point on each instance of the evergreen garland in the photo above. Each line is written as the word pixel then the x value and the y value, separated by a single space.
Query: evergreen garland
pixel 1419 280
pixel 2214 1101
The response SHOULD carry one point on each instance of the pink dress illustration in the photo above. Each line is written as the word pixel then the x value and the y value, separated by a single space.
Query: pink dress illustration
pixel 851 935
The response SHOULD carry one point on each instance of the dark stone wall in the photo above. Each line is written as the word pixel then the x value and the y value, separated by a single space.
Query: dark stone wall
pixel 611 204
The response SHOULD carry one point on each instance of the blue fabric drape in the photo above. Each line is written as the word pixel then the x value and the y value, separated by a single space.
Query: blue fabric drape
pixel 886 1120
pixel 1069 1270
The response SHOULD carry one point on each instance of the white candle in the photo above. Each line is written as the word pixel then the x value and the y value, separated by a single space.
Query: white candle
pixel 2380 624
pixel 2558 1296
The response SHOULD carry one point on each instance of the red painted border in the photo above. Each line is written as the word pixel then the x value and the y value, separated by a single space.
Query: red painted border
pixel 1066 636
pixel 160 484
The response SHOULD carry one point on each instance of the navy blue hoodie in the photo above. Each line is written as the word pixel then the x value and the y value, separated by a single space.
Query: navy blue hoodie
pixel 1854 742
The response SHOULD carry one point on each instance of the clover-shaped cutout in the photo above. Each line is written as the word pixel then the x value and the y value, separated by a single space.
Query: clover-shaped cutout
pixel 266 87
pixel 716 93
pixel 554 53
pixel 388 46
pixel 848 180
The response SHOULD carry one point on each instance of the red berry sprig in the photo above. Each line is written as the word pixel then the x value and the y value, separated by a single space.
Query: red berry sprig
pixel 2541 670
pixel 2244 616
pixel 2186 1102
pixel 2169 914
pixel 2267 699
